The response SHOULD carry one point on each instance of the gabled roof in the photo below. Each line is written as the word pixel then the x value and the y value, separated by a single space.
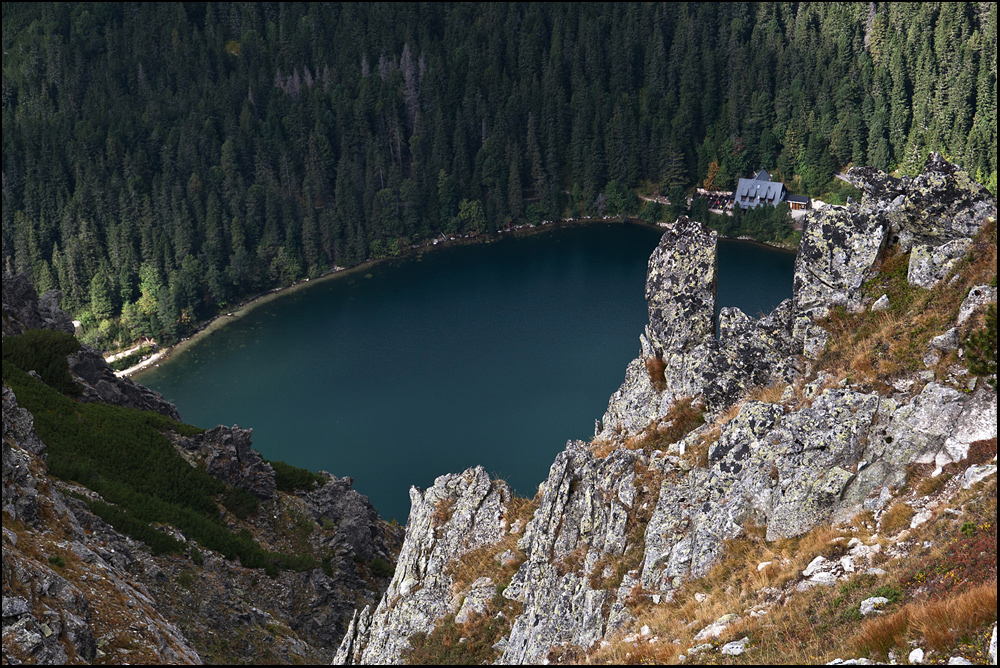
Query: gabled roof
pixel 751 192
pixel 762 175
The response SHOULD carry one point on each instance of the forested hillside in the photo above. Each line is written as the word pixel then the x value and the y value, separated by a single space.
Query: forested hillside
pixel 161 161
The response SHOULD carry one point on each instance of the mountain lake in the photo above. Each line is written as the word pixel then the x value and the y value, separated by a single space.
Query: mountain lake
pixel 491 354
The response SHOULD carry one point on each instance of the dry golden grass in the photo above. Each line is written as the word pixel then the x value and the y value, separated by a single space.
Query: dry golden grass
pixel 821 623
pixel 874 348
pixel 880 635
pixel 656 368
pixel 931 485
pixel 770 394
pixel 943 623
pixel 442 512
pixel 896 518
pixel 484 562
pixel 939 624
pixel 602 447
pixel 685 415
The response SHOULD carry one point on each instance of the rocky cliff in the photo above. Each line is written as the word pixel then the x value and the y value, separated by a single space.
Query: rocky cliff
pixel 711 438
pixel 77 590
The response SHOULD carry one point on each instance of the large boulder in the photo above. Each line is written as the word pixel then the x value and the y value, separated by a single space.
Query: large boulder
pixel 939 205
pixel 227 454
pixel 785 471
pixel 100 384
pixel 358 533
pixel 930 264
pixel 681 285
pixel 839 247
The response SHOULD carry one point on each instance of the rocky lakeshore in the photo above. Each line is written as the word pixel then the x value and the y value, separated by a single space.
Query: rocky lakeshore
pixel 777 444
pixel 731 481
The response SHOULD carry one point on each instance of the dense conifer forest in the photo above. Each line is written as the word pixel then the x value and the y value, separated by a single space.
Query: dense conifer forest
pixel 164 160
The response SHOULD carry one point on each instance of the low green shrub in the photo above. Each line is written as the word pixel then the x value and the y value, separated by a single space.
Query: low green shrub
pixel 123 455
pixel 381 568
pixel 240 502
pixel 44 351
pixel 290 478
pixel 981 349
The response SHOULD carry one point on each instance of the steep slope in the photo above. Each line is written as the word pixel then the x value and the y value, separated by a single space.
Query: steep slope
pixel 99 573
pixel 769 440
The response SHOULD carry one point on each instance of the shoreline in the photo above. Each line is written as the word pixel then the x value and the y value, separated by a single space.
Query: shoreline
pixel 520 231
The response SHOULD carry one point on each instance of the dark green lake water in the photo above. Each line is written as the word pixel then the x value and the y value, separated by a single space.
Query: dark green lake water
pixel 488 354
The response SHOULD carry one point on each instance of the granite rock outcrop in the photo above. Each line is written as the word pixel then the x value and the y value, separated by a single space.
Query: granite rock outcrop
pixel 458 514
pixel 618 520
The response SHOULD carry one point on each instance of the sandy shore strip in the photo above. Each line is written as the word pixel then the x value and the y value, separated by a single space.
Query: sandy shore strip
pixel 152 359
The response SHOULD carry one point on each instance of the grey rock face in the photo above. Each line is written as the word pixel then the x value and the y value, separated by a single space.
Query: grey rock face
pixel 101 385
pixel 229 456
pixel 583 516
pixel 941 204
pixel 459 513
pixel 930 264
pixel 749 351
pixel 55 613
pixel 839 247
pixel 788 472
pixel 355 517
pixel 681 284
pixel 939 425
pixel 979 296
pixel 24 310
pixel 20 493
pixel 480 594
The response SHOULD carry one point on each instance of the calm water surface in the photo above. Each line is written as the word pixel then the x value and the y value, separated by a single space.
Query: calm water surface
pixel 489 354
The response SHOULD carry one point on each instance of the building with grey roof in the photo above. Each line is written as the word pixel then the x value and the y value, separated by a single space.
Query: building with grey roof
pixel 759 190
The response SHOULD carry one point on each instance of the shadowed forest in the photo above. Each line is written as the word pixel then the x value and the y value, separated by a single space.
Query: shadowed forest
pixel 162 161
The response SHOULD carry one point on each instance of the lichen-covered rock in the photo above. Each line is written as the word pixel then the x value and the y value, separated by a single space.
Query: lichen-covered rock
pixel 749 352
pixel 582 516
pixel 839 247
pixel 978 296
pixel 459 513
pixel 681 284
pixel 636 402
pixel 476 602
pixel 941 204
pixel 940 424
pixel 788 472
pixel 930 264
